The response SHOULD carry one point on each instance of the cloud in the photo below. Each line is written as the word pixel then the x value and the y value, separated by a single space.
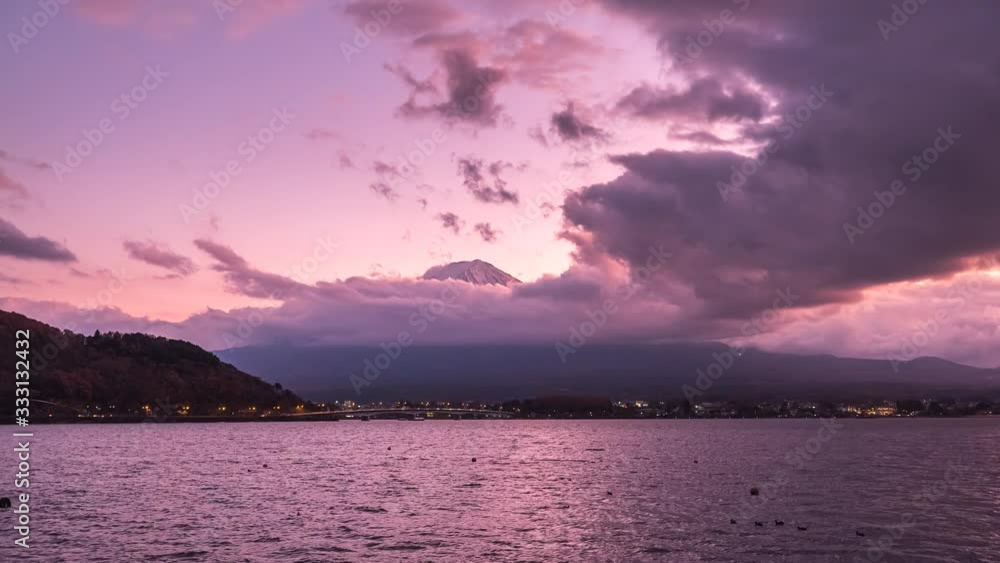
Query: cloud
pixel 701 137
pixel 320 134
pixel 156 19
pixel 157 255
pixel 705 99
pixel 474 174
pixel 470 92
pixel 384 169
pixel 486 231
pixel 249 17
pixel 831 162
pixel 384 191
pixel 30 162
pixel 388 176
pixel 417 86
pixel 544 56
pixel 13 242
pixel 474 63
pixel 536 134
pixel 12 187
pixel 414 18
pixel 243 279
pixel 344 160
pixel 86 321
pixel 451 221
pixel 11 280
pixel 108 12
pixel 570 127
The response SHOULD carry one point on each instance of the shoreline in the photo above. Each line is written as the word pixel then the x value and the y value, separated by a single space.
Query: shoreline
pixel 326 418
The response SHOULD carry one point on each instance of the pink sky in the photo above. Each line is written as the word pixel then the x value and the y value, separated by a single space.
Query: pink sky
pixel 591 111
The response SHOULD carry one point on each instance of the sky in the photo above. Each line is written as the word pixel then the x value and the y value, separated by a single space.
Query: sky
pixel 805 178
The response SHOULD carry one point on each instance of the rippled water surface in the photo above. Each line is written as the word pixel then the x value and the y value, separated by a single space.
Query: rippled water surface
pixel 629 490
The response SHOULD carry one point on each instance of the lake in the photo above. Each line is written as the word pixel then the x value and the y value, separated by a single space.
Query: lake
pixel 546 490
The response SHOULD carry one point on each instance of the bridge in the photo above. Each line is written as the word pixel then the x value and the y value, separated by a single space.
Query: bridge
pixel 406 413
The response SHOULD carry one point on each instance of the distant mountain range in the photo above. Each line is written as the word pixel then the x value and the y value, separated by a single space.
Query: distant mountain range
pixel 618 371
pixel 128 371
pixel 476 272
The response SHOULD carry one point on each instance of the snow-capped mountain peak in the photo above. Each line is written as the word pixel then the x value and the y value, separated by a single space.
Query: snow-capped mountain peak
pixel 475 272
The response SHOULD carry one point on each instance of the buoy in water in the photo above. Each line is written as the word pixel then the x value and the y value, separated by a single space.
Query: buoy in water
pixel 754 491
pixel 473 460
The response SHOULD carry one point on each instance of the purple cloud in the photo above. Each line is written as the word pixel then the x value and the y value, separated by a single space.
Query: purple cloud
pixel 158 255
pixel 13 242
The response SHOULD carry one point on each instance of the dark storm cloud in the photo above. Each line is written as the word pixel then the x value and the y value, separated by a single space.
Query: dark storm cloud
pixel 13 242
pixel 706 98
pixel 157 255
pixel 795 222
pixel 484 181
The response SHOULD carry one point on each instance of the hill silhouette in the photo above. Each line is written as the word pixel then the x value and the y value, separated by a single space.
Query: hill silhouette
pixel 129 371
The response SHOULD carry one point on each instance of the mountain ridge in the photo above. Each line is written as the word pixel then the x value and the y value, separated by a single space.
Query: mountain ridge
pixel 129 371
pixel 459 372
